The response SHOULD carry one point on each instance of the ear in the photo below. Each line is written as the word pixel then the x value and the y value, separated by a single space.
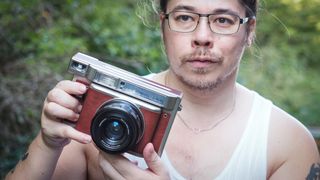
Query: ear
pixel 162 19
pixel 251 31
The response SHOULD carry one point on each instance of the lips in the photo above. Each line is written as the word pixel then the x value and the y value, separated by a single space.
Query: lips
pixel 202 62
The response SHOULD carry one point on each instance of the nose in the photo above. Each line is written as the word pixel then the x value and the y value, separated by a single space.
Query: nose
pixel 202 36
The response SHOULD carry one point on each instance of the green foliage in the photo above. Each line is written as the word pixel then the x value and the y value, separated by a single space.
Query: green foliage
pixel 284 63
pixel 294 26
pixel 279 76
pixel 37 39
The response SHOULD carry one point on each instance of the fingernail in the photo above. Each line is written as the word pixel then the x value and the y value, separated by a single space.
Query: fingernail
pixel 83 88
pixel 79 108
pixel 76 117
pixel 87 140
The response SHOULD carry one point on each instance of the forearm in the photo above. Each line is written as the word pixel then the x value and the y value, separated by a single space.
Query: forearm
pixel 39 162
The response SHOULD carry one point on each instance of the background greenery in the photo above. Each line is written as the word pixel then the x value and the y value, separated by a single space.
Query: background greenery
pixel 37 39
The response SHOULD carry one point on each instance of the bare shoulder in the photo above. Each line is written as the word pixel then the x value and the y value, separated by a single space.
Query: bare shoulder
pixel 292 151
pixel 72 162
pixel 157 77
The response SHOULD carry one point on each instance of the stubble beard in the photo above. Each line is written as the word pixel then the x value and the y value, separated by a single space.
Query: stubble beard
pixel 199 84
pixel 202 83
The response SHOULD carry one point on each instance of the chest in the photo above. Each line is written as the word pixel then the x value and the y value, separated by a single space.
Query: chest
pixel 203 155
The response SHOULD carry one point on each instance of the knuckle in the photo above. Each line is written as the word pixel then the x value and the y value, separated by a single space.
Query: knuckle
pixel 53 94
pixel 62 83
pixel 46 130
pixel 51 108
pixel 72 116
pixel 66 132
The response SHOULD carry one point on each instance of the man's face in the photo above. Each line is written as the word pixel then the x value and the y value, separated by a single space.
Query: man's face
pixel 202 59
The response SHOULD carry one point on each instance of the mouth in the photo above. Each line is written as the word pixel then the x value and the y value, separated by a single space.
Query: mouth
pixel 202 62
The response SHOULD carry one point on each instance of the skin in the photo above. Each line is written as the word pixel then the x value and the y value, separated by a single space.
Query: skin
pixel 204 66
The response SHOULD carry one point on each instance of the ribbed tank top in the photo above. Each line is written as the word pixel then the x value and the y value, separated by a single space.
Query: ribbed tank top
pixel 249 159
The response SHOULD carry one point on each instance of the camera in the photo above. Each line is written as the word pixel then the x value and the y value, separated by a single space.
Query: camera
pixel 121 110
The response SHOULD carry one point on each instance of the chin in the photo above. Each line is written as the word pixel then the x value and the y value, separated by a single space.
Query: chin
pixel 201 82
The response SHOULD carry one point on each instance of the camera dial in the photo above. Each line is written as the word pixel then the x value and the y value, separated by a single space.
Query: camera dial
pixel 117 126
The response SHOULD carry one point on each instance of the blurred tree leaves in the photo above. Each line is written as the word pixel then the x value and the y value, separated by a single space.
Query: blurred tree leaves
pixel 38 37
pixel 284 64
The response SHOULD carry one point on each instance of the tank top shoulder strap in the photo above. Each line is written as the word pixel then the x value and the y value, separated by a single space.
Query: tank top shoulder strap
pixel 249 160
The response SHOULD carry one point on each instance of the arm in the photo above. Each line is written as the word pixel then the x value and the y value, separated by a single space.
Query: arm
pixel 41 159
pixel 38 162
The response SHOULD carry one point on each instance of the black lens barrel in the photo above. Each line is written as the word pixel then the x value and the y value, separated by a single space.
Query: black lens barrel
pixel 117 126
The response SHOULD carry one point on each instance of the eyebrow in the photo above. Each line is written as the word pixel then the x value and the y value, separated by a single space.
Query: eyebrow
pixel 216 11
pixel 225 11
pixel 183 7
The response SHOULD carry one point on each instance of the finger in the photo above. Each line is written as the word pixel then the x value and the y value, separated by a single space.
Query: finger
pixel 64 99
pixel 57 111
pixel 71 133
pixel 108 170
pixel 129 170
pixel 124 166
pixel 58 132
pixel 72 87
pixel 153 160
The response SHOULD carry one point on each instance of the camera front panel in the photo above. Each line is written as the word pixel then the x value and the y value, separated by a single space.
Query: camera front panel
pixel 156 97
pixel 162 131
pixel 92 102
pixel 151 120
pixel 97 96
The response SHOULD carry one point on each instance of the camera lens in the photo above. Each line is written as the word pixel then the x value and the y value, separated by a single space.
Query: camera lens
pixel 117 126
pixel 114 130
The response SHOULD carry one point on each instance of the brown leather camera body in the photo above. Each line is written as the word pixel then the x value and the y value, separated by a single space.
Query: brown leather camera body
pixel 155 123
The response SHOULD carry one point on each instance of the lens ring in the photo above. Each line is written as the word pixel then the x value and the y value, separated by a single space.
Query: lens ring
pixel 114 130
pixel 126 116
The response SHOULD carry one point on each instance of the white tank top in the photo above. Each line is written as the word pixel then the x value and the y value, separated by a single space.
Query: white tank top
pixel 249 159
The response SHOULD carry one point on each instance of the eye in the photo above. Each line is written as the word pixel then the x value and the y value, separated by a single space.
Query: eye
pixel 184 18
pixel 223 20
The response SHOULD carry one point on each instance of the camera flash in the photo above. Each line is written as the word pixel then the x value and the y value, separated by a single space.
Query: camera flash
pixel 105 80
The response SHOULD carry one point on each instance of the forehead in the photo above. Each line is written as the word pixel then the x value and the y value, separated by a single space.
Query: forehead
pixel 206 6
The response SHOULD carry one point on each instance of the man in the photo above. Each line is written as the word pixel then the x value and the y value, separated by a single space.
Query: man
pixel 224 131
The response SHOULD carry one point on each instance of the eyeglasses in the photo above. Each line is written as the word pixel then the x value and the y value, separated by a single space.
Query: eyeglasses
pixel 225 24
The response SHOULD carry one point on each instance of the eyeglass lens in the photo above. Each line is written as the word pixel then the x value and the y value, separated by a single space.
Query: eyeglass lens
pixel 219 23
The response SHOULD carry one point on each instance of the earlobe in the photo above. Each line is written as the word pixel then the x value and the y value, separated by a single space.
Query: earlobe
pixel 251 32
pixel 161 21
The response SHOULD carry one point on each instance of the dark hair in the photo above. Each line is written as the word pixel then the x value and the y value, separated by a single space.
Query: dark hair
pixel 250 5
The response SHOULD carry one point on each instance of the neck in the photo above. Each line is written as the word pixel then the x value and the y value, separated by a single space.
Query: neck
pixel 209 106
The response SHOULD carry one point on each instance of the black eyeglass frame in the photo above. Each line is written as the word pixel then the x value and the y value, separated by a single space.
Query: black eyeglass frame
pixel 241 21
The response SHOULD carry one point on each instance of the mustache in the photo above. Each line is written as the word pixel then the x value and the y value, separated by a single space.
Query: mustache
pixel 201 54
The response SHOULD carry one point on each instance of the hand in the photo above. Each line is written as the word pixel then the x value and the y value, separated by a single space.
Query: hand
pixel 59 106
pixel 118 167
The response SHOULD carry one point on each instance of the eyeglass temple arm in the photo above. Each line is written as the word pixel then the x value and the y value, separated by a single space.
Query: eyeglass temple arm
pixel 246 19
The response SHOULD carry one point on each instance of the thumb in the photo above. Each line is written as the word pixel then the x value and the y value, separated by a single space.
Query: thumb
pixel 153 160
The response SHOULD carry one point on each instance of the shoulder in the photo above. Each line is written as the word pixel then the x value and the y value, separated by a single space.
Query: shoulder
pixel 291 147
pixel 292 152
pixel 157 77
pixel 285 130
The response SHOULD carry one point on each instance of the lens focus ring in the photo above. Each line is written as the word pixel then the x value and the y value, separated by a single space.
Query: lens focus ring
pixel 117 126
